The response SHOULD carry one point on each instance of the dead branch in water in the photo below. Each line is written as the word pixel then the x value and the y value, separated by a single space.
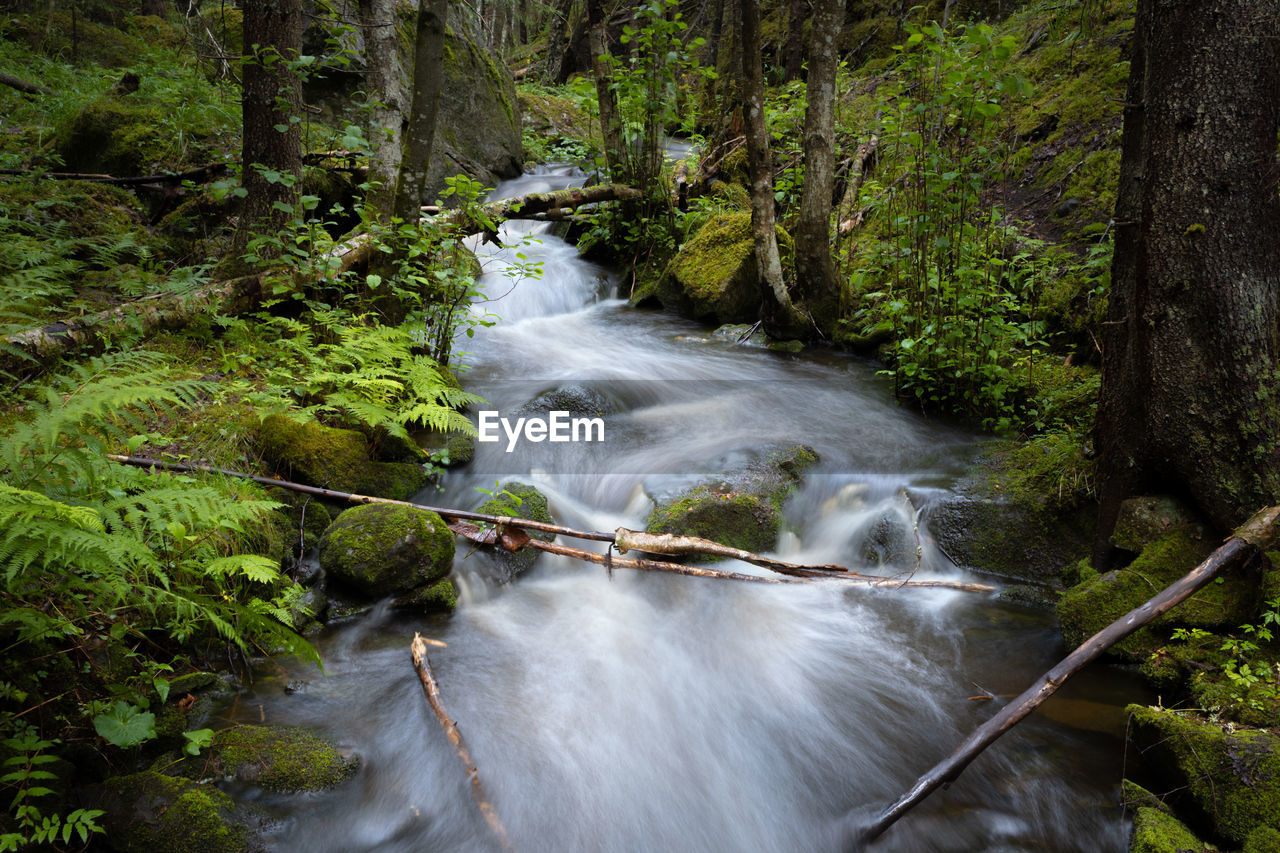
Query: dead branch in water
pixel 421 663
pixel 508 532
pixel 1257 535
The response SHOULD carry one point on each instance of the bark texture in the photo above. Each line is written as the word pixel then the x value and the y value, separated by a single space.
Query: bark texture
pixel 272 100
pixel 615 155
pixel 1189 380
pixel 384 84
pixel 428 72
pixel 815 275
pixel 778 316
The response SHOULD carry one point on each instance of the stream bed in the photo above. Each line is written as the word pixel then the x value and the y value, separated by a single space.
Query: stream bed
pixel 641 712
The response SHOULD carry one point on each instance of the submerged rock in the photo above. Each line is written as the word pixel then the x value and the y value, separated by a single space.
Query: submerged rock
pixel 150 812
pixel 335 459
pixel 278 758
pixel 381 549
pixel 742 511
pixel 714 277
pixel 1227 780
pixel 577 400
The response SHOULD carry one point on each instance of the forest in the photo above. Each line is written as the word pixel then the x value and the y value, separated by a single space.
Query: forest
pixel 592 425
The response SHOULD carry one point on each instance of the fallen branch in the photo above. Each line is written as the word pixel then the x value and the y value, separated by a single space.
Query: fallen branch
pixel 36 347
pixel 23 85
pixel 421 663
pixel 1256 536
pixel 507 532
pixel 858 171
pixel 199 175
pixel 520 207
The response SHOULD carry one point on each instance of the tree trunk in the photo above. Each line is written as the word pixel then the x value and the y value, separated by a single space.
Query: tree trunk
pixel 272 99
pixel 777 313
pixel 557 38
pixel 428 74
pixel 1189 385
pixel 384 84
pixel 793 61
pixel 615 154
pixel 815 276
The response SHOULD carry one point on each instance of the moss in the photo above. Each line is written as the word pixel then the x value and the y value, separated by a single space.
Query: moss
pixel 116 138
pixel 152 813
pixel 84 208
pixel 335 459
pixel 438 598
pixel 1144 519
pixel 379 549
pixel 1263 839
pixel 1134 796
pixel 739 520
pixel 714 276
pixel 1229 779
pixel 1156 831
pixel 280 758
pixel 1092 605
pixel 527 503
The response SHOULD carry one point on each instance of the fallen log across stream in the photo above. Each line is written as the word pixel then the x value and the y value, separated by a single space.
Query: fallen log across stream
pixel 421 663
pixel 507 532
pixel 1256 536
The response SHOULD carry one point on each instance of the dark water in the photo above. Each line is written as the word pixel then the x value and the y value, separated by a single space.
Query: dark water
pixel 644 712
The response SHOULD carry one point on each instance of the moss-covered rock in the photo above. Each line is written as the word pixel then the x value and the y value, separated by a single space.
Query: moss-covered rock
pixel 437 598
pixel 1155 831
pixel 150 812
pixel 1133 796
pixel 1097 601
pixel 743 510
pixel 1001 522
pixel 1143 520
pixel 519 500
pixel 1227 780
pixel 279 758
pixel 336 459
pixel 381 549
pixel 114 137
pixel 714 277
pixel 1263 839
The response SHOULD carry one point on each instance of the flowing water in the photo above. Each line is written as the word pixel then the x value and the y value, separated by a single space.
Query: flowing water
pixel 644 712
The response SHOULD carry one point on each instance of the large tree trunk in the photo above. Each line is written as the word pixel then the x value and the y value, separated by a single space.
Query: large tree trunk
pixel 777 314
pixel 814 273
pixel 1189 386
pixel 615 154
pixel 272 98
pixel 793 53
pixel 384 84
pixel 428 74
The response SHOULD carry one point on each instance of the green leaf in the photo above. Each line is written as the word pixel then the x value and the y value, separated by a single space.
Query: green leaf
pixel 197 740
pixel 125 725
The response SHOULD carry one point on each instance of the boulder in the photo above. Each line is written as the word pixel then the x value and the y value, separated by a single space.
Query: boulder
pixel 523 501
pixel 743 510
pixel 150 812
pixel 713 278
pixel 335 459
pixel 1225 781
pixel 278 758
pixel 376 550
pixel 1156 831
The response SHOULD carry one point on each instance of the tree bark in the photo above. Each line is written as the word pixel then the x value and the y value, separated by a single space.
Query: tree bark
pixel 1189 376
pixel 272 106
pixel 24 85
pixel 793 57
pixel 384 86
pixel 428 74
pixel 615 153
pixel 815 276
pixel 778 315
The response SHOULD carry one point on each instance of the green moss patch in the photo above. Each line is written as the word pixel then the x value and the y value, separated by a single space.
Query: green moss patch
pixel 1230 780
pixel 380 549
pixel 280 758
pixel 153 813
pixel 519 500
pixel 1156 831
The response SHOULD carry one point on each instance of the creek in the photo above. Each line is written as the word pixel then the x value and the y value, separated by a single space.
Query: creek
pixel 639 712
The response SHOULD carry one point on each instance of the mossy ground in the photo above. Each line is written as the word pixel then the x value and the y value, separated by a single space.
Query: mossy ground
pixel 150 812
pixel 379 549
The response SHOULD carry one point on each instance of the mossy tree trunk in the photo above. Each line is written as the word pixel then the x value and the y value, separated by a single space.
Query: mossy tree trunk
pixel 615 154
pixel 428 75
pixel 815 275
pixel 272 108
pixel 1189 375
pixel 384 83
pixel 778 316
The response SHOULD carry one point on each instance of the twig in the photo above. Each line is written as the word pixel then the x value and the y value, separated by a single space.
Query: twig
pixel 421 663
